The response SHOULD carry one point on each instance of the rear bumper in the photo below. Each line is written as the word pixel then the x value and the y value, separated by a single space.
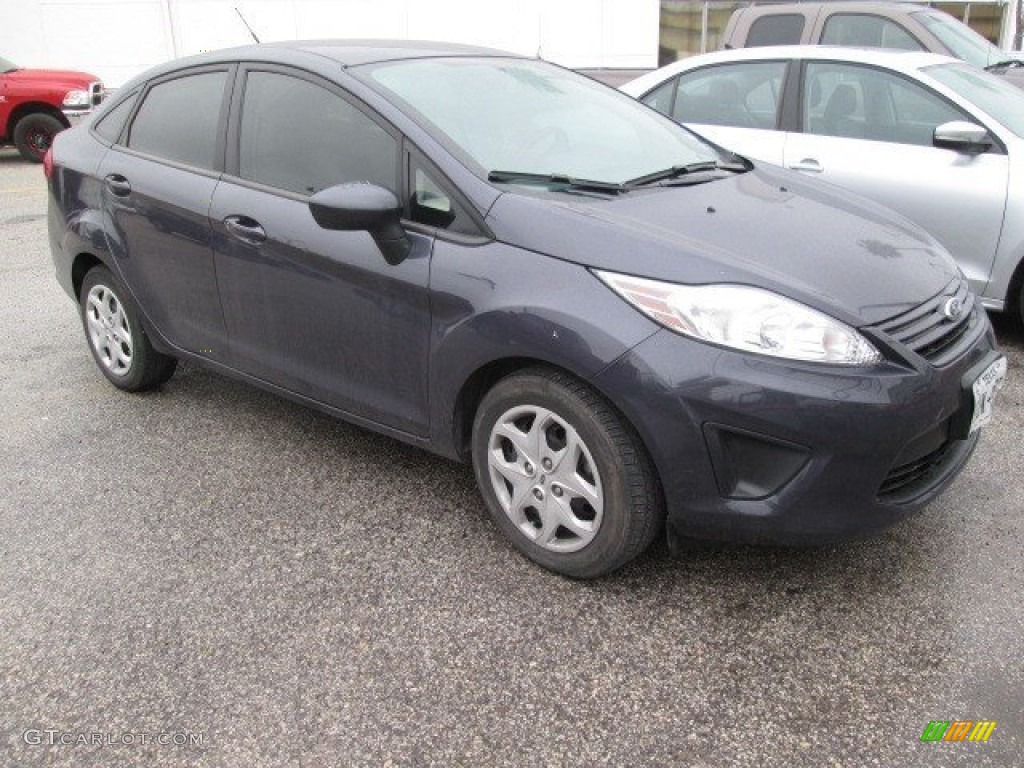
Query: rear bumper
pixel 757 449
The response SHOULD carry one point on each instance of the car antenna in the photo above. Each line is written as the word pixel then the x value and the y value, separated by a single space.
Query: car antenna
pixel 246 24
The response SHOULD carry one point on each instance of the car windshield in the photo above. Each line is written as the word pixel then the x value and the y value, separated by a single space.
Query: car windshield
pixel 530 117
pixel 992 94
pixel 7 66
pixel 962 41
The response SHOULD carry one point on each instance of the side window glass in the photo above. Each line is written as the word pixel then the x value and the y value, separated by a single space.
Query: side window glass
pixel 865 103
pixel 661 97
pixel 781 29
pixel 300 137
pixel 744 95
pixel 431 204
pixel 864 30
pixel 834 100
pixel 110 125
pixel 180 119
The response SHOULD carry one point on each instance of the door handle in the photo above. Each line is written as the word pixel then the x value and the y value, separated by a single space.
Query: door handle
pixel 245 229
pixel 118 185
pixel 808 164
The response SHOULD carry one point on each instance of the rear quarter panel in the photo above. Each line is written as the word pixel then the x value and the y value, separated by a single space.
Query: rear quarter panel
pixel 75 213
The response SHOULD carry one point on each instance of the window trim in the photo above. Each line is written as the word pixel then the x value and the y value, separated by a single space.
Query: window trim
pixel 218 162
pixel 233 135
pixel 998 147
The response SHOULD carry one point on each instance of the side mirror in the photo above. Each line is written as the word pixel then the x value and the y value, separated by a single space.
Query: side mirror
pixel 963 137
pixel 363 206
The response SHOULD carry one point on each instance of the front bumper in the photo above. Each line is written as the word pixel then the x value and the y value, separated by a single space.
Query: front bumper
pixel 759 449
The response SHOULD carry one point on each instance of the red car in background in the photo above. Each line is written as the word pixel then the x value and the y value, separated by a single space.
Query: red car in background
pixel 36 104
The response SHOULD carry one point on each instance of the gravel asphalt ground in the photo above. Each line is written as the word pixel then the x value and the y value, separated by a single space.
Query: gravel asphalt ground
pixel 212 565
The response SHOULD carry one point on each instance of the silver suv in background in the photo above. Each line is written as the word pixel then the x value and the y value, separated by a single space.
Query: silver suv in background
pixel 905 26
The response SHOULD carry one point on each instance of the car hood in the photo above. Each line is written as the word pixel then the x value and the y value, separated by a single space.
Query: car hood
pixel 771 228
pixel 54 78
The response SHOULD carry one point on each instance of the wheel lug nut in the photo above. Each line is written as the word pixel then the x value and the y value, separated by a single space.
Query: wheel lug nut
pixel 547 464
pixel 538 494
pixel 557 490
pixel 529 468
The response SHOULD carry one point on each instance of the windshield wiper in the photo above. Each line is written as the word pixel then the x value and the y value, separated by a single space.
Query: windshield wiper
pixel 513 177
pixel 677 171
pixel 1005 64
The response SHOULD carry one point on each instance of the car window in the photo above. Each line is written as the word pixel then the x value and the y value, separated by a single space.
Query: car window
pixel 781 29
pixel 431 202
pixel 530 117
pixel 992 94
pixel 298 136
pixel 962 41
pixel 661 97
pixel 110 124
pixel 744 95
pixel 859 29
pixel 866 103
pixel 159 127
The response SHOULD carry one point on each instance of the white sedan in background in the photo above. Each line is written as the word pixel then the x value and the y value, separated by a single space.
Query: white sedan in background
pixel 927 135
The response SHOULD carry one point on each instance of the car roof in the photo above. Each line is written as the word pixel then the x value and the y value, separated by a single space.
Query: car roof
pixel 904 6
pixel 902 61
pixel 345 53
pixel 352 53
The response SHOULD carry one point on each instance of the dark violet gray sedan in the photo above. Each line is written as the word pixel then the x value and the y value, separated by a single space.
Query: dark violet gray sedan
pixel 628 331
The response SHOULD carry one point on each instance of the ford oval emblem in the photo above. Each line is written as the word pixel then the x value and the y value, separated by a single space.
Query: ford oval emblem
pixel 952 309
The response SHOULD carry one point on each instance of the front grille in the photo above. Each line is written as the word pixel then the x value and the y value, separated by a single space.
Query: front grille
pixel 929 331
pixel 908 479
pixel 96 93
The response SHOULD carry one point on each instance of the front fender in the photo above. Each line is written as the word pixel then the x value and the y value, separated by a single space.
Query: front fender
pixel 496 302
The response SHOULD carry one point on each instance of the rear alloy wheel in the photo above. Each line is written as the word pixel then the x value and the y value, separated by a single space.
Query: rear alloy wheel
pixel 33 135
pixel 564 476
pixel 116 339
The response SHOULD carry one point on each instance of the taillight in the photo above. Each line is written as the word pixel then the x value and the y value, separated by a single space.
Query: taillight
pixel 48 163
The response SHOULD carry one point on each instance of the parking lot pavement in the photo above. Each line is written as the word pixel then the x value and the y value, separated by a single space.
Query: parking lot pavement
pixel 214 565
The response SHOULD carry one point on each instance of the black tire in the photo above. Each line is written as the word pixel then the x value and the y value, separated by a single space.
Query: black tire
pixel 116 338
pixel 1020 304
pixel 631 499
pixel 33 135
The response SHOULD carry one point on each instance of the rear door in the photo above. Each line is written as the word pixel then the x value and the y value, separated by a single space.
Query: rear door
pixel 870 130
pixel 158 180
pixel 318 312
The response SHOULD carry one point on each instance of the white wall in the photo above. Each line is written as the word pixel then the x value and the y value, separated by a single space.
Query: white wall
pixel 115 39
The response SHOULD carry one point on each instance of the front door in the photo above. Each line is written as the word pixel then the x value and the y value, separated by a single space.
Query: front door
pixel 870 131
pixel 315 311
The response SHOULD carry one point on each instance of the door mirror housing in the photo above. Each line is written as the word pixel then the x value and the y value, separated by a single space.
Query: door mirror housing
pixel 363 206
pixel 963 137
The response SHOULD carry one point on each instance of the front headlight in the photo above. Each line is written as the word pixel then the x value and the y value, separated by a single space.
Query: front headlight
pixel 745 318
pixel 77 99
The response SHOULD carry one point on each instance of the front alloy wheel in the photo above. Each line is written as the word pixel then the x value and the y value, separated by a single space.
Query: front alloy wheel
pixel 545 478
pixel 564 475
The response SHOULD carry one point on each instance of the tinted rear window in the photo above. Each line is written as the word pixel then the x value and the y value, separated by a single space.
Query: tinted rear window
pixel 179 120
pixel 110 125
pixel 784 29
